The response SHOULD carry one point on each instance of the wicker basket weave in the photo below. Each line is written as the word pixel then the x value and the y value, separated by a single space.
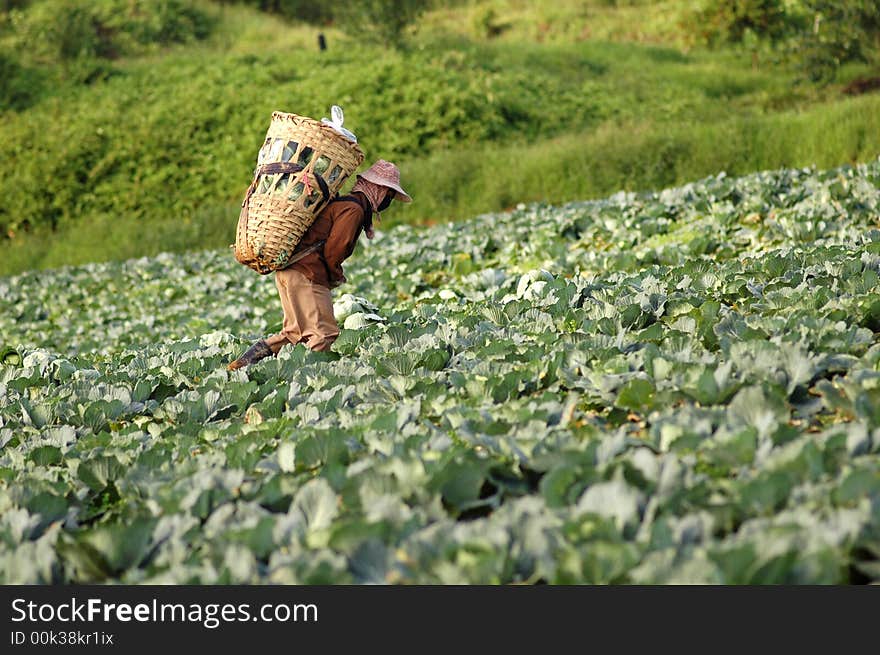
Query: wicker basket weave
pixel 301 166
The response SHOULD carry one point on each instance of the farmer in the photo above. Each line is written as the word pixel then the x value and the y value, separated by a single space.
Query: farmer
pixel 304 287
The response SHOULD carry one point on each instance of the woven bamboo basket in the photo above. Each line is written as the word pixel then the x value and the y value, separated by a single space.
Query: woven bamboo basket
pixel 301 166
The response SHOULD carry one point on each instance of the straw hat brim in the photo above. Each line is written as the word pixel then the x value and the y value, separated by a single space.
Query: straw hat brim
pixel 375 179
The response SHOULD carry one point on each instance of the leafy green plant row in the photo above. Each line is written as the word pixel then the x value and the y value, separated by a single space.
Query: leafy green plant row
pixel 669 387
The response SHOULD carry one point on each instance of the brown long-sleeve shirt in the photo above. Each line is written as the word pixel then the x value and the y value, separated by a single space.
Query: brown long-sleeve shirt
pixel 340 225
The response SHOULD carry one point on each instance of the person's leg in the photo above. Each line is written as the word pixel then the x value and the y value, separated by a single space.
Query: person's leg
pixel 260 350
pixel 272 344
pixel 321 329
pixel 306 309
pixel 308 312
pixel 290 328
pixel 308 318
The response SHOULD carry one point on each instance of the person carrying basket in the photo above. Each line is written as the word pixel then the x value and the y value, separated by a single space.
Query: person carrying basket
pixel 304 287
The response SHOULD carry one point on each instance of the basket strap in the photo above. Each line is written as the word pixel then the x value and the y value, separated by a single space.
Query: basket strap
pixel 325 190
pixel 289 167
pixel 284 167
pixel 364 205
pixel 305 251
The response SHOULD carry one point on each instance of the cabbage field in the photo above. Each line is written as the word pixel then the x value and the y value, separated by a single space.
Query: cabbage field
pixel 681 386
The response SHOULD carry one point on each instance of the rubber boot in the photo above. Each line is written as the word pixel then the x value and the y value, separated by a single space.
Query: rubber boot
pixel 260 350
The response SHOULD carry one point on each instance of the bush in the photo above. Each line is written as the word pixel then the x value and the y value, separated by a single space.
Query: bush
pixel 817 36
pixel 836 33
pixel 19 87
pixel 66 30
pixel 7 5
pixel 735 21
pixel 316 12
pixel 486 24
pixel 381 21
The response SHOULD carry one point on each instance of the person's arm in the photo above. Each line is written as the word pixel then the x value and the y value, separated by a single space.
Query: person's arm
pixel 347 225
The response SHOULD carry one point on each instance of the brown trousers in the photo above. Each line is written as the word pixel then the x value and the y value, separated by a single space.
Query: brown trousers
pixel 308 312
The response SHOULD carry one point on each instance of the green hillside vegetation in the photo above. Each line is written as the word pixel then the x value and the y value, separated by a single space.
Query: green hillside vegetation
pixel 141 137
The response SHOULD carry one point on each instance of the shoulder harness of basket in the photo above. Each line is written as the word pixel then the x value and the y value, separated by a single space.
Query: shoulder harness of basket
pixel 361 200
pixel 364 205
pixel 308 250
